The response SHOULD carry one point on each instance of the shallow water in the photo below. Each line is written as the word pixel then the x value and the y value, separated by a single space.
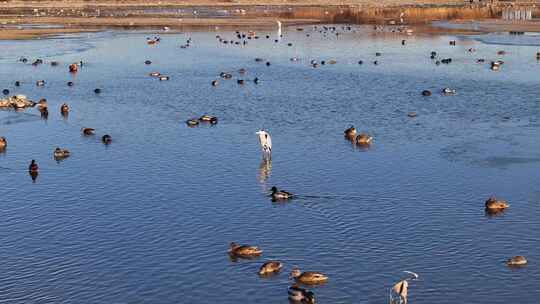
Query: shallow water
pixel 149 217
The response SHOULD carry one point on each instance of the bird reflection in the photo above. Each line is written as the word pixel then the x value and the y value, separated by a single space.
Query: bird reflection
pixel 33 175
pixel 265 169
pixel 494 212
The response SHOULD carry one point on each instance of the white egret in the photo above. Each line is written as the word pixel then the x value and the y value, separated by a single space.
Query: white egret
pixel 279 28
pixel 265 141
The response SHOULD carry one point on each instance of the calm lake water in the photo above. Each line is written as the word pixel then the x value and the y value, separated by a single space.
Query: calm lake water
pixel 148 219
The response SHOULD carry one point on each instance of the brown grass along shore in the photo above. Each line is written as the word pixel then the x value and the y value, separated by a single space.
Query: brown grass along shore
pixel 78 16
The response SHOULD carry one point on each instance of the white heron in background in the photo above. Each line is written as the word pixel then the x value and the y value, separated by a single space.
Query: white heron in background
pixel 398 293
pixel 279 28
pixel 265 141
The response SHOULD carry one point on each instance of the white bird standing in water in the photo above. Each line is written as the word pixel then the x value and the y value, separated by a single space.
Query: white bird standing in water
pixel 265 141
pixel 279 28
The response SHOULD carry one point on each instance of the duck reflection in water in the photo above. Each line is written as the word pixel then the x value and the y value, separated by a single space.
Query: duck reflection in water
pixel 33 175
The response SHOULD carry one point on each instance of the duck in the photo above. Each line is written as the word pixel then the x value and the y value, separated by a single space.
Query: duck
pixel 88 131
pixel 496 65
pixel 155 74
pixel 64 109
pixel 225 75
pixel 280 194
pixel 3 143
pixel 501 52
pixel 215 83
pixel 164 78
pixel 364 139
pixel 412 114
pixel 350 132
pixel 192 122
pixel 42 104
pixel 241 81
pixel 207 118
pixel 61 153
pixel 97 91
pixel 449 91
pixel 5 91
pixel 73 68
pixel 538 55
pixel 518 260
pixel 244 250
pixel 40 83
pixel 270 267
pixel 33 167
pixel 308 277
pixel 147 62
pixel 300 295
pixel 256 80
pixel 400 290
pixel 493 203
pixel 70 83
pixel 106 139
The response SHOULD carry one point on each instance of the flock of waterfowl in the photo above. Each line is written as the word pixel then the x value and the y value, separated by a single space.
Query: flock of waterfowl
pixel 295 292
pixel 21 102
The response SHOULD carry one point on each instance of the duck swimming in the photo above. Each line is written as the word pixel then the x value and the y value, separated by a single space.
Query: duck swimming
pixel 364 139
pixel 518 260
pixel 270 267
pixel 208 118
pixel 73 68
pixel 61 153
pixel 106 139
pixel 3 143
pixel 192 122
pixel 449 91
pixel 300 295
pixel 244 250
pixel 88 131
pixel 64 109
pixel 40 83
pixel 280 195
pixel 309 277
pixel 42 104
pixel 493 204
pixel 33 167
pixel 399 292
pixel 350 133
